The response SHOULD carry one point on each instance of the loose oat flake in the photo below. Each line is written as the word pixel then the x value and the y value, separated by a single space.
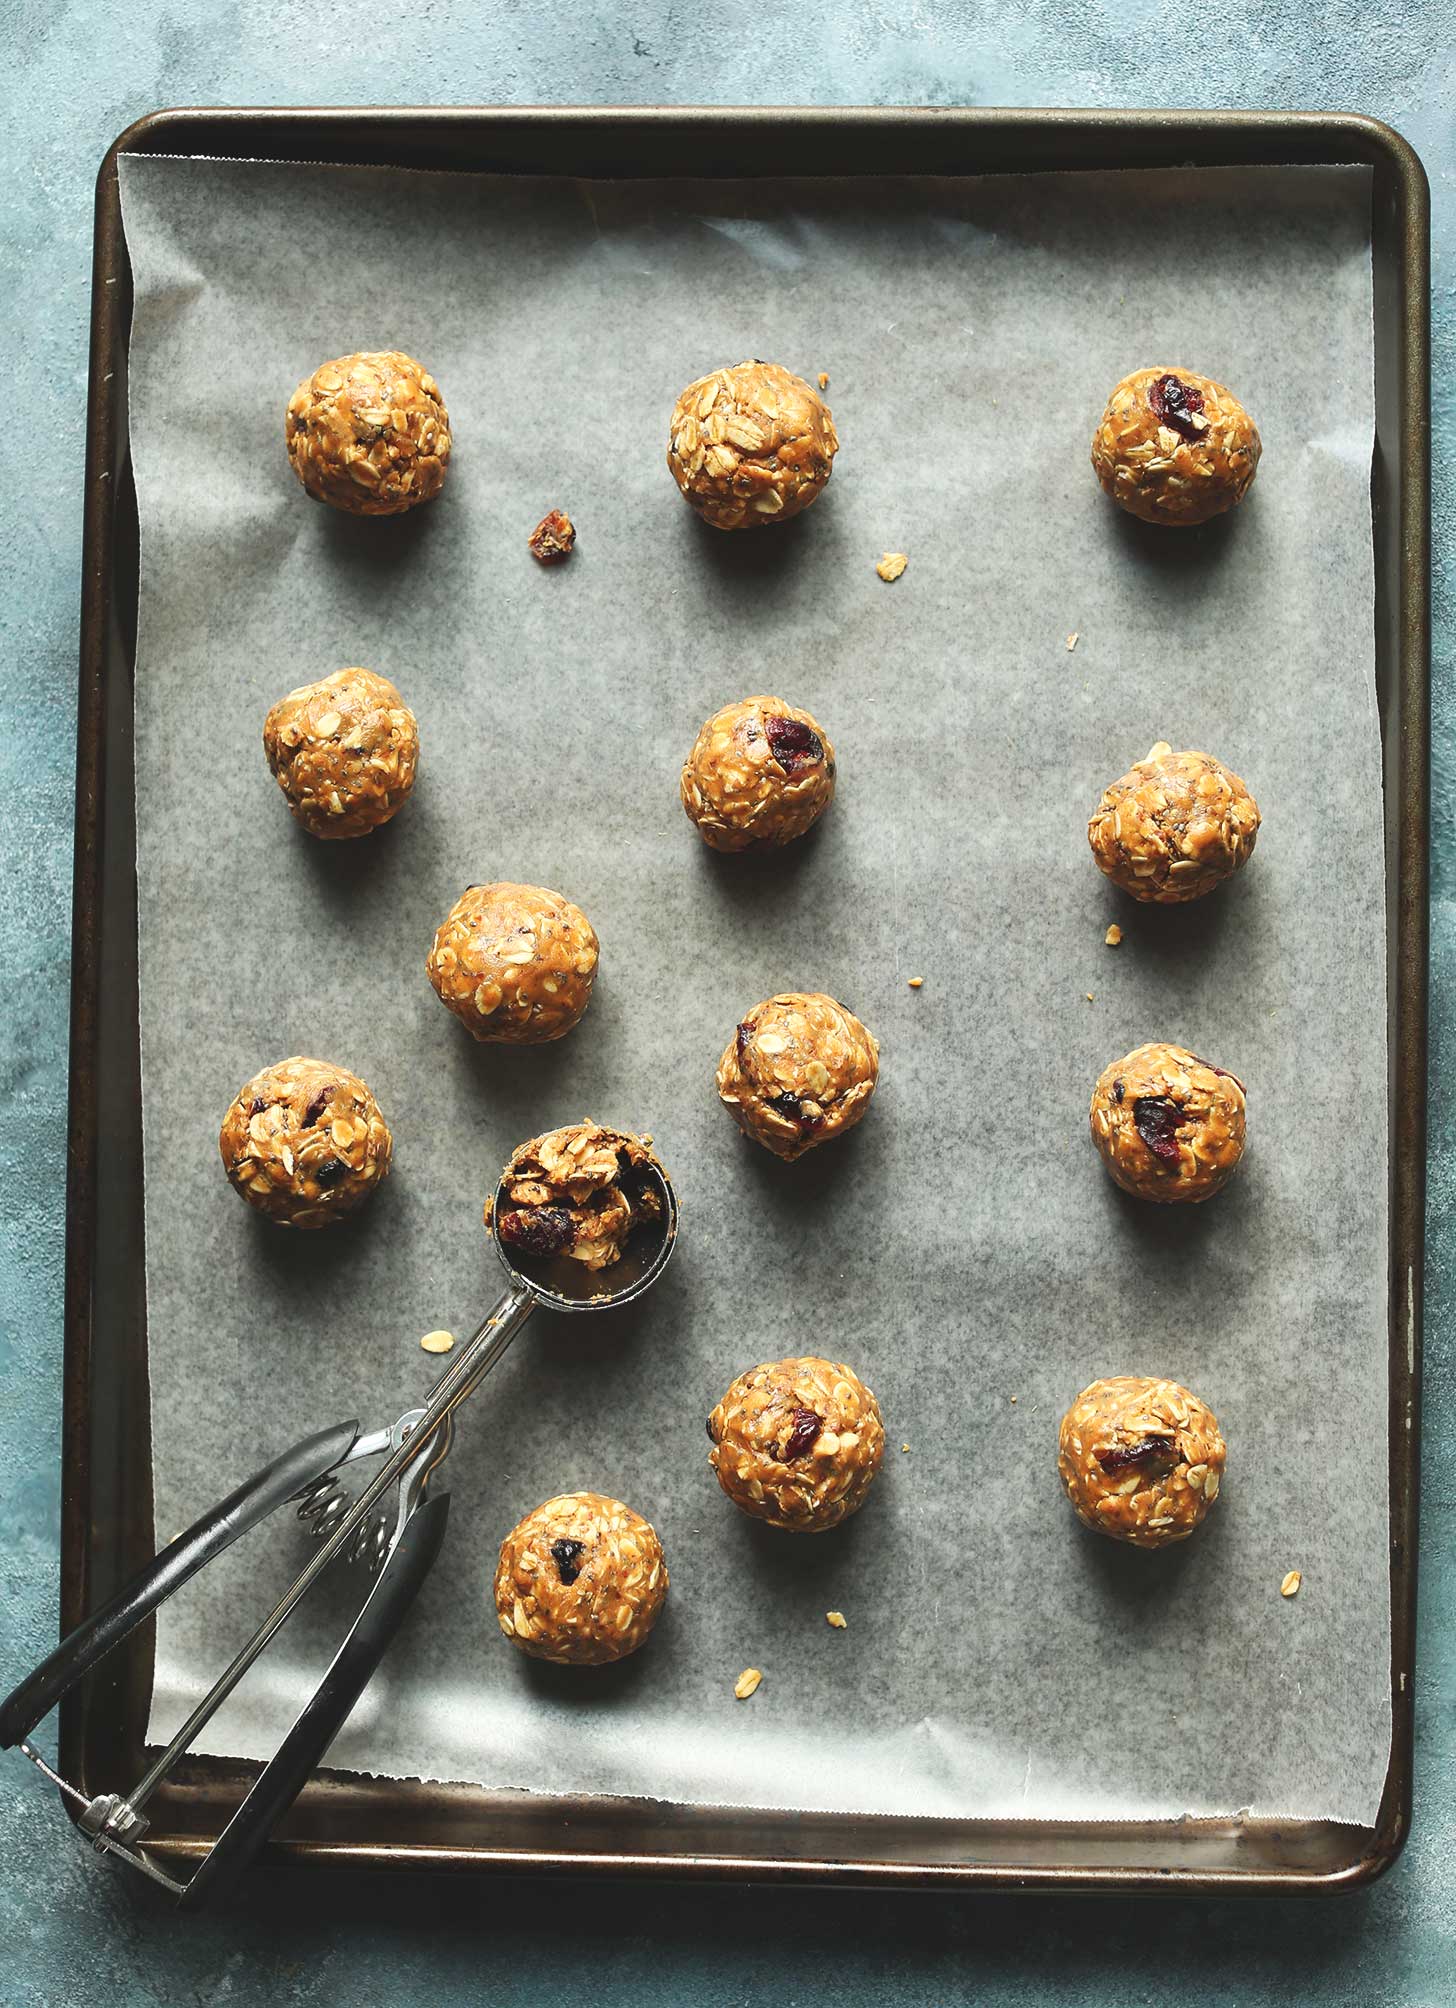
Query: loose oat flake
pixel 915 982
pixel 437 1342
pixel 823 379
pixel 837 1619
pixel 747 1682
pixel 1072 639
pixel 891 566
pixel 1290 1586
pixel 1113 936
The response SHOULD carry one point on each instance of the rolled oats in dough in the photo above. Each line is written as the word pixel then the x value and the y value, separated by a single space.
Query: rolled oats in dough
pixel 305 1143
pixel 344 751
pixel 577 1192
pixel 580 1581
pixel 1175 826
pixel 1170 1126
pixel 369 434
pixel 750 445
pixel 797 1443
pixel 759 772
pixel 800 1069
pixel 1142 1460
pixel 1174 447
pixel 515 963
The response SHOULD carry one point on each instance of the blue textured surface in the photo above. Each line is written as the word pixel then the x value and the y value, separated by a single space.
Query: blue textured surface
pixel 75 74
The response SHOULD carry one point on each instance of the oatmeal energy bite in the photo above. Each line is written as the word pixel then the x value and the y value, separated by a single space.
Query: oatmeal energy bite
pixel 1175 826
pixel 1170 1127
pixel 750 445
pixel 1142 1460
pixel 800 1069
pixel 580 1581
pixel 305 1143
pixel 577 1192
pixel 344 751
pixel 797 1443
pixel 1174 447
pixel 515 963
pixel 369 433
pixel 760 772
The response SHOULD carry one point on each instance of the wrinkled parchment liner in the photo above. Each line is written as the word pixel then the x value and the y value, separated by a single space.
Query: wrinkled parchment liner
pixel 961 1247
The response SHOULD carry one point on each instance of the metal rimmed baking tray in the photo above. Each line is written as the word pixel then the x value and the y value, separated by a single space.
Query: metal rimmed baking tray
pixel 108 1528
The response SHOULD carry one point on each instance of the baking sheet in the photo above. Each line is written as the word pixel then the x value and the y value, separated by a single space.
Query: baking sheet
pixel 961 1247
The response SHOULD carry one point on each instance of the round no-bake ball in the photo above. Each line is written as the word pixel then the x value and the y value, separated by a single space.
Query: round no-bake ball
pixel 305 1143
pixel 515 963
pixel 1169 1126
pixel 800 1069
pixel 797 1443
pixel 1174 447
pixel 760 772
pixel 369 433
pixel 1142 1460
pixel 1175 826
pixel 580 1581
pixel 750 445
pixel 344 751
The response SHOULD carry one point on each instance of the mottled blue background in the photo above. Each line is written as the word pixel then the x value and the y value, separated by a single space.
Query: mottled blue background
pixel 74 76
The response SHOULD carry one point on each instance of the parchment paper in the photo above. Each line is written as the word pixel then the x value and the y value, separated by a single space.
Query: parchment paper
pixel 963 1248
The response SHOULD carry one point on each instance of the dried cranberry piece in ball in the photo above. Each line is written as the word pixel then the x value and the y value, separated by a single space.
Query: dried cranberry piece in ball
pixel 793 744
pixel 1158 1120
pixel 1178 405
pixel 1151 1454
pixel 538 1230
pixel 803 1433
pixel 567 1557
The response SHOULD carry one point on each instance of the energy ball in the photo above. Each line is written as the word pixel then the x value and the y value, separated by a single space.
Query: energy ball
pixel 369 434
pixel 797 1443
pixel 577 1192
pixel 344 751
pixel 515 963
pixel 1142 1460
pixel 305 1143
pixel 1175 826
pixel 760 772
pixel 1174 447
pixel 580 1581
pixel 1169 1126
pixel 750 445
pixel 799 1070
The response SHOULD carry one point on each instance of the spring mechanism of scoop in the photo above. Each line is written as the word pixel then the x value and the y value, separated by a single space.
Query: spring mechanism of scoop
pixel 323 1504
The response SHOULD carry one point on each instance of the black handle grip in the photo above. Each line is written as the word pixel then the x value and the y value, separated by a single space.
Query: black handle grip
pixel 302 1750
pixel 95 1636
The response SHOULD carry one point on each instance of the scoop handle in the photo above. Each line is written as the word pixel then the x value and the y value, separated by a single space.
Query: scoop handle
pixel 303 1748
pixel 96 1635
